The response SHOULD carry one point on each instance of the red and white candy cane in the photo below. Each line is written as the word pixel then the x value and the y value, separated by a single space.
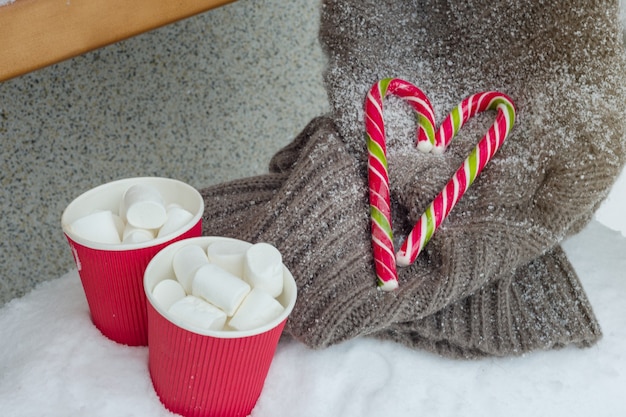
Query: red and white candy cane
pixel 380 206
pixel 382 235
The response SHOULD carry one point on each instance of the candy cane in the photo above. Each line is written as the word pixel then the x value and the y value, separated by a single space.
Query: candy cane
pixel 382 236
pixel 469 170
pixel 380 205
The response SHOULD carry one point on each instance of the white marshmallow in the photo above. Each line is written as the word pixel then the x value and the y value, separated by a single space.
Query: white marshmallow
pixel 196 312
pixel 172 205
pixel 167 292
pixel 101 226
pixel 257 309
pixel 133 234
pixel 138 236
pixel 177 217
pixel 228 255
pixel 186 262
pixel 263 268
pixel 220 288
pixel 143 207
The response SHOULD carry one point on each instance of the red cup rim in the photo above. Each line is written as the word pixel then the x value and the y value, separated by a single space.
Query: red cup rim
pixel 94 199
pixel 159 268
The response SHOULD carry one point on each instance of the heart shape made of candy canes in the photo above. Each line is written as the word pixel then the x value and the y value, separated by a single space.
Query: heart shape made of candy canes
pixel 428 140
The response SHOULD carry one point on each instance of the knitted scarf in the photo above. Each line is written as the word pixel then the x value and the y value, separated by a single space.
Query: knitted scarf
pixel 493 280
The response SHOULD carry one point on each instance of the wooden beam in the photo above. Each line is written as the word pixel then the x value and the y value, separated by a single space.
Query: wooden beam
pixel 37 33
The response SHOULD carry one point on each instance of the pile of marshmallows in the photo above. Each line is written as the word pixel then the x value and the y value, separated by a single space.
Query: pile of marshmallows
pixel 142 216
pixel 232 285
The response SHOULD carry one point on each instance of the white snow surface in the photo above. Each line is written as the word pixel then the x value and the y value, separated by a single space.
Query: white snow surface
pixel 612 213
pixel 54 362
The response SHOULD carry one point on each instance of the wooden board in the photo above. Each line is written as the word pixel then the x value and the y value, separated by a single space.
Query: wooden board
pixel 37 33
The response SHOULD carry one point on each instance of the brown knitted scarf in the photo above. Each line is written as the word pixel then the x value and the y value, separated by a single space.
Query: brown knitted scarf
pixel 493 280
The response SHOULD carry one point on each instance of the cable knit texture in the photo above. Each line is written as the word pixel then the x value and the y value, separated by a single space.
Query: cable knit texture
pixel 493 280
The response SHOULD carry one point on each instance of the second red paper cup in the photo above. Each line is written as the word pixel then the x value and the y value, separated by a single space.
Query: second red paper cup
pixel 112 273
pixel 208 373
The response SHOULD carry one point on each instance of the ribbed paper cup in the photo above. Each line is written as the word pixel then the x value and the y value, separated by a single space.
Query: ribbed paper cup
pixel 112 274
pixel 207 373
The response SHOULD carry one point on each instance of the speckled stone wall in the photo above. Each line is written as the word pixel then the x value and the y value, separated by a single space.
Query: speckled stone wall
pixel 204 100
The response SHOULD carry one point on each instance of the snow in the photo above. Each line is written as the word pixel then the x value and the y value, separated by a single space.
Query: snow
pixel 611 212
pixel 54 362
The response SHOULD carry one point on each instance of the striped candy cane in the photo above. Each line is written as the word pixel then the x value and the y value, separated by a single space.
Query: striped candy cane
pixel 380 205
pixel 382 236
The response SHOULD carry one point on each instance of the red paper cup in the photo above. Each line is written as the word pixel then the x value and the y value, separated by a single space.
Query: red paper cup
pixel 112 274
pixel 207 373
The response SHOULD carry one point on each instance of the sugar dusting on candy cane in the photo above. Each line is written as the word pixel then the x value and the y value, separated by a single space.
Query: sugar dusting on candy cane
pixel 427 140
